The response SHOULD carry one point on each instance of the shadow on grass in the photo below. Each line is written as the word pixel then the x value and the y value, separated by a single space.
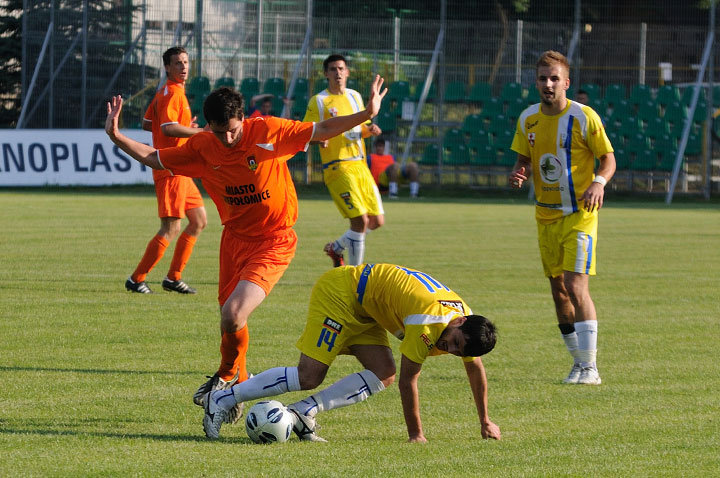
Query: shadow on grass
pixel 96 371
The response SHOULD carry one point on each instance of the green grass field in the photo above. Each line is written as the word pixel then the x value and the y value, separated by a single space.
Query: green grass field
pixel 98 382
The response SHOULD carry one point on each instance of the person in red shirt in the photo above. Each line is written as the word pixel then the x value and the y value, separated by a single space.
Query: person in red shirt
pixel 242 165
pixel 387 172
pixel 171 123
pixel 265 108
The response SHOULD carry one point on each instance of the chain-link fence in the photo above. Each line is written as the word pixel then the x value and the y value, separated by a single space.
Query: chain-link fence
pixel 78 52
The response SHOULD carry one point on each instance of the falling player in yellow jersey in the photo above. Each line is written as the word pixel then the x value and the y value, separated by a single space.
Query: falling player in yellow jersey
pixel 345 171
pixel 558 140
pixel 351 310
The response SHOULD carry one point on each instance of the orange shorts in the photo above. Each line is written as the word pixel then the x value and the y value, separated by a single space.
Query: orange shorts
pixel 175 195
pixel 262 262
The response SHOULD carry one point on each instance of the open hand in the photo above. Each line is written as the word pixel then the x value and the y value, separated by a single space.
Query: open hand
pixel 376 96
pixel 114 107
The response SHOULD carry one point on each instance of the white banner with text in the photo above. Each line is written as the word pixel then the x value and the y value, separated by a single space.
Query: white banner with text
pixel 68 157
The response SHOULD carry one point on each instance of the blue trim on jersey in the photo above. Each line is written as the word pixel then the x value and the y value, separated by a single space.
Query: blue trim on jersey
pixel 326 165
pixel 362 283
pixel 568 160
pixel 589 253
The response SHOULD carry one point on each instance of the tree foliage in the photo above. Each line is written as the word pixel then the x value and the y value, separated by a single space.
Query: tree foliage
pixel 10 65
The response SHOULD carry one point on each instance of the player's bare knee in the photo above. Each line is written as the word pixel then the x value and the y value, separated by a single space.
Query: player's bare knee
pixel 231 317
pixel 376 221
pixel 310 379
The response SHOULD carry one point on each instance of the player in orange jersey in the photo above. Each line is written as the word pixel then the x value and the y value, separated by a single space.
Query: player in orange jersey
pixel 171 123
pixel 242 164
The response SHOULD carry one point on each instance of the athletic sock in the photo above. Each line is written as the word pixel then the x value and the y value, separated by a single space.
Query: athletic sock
pixel 233 350
pixel 183 250
pixel 414 188
pixel 348 390
pixel 269 383
pixel 153 253
pixel 393 188
pixel 587 342
pixel 570 338
pixel 354 244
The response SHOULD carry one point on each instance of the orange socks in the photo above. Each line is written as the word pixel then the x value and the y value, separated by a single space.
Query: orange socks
pixel 233 350
pixel 153 253
pixel 183 250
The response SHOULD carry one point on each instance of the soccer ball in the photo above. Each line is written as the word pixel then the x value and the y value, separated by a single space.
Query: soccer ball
pixel 268 422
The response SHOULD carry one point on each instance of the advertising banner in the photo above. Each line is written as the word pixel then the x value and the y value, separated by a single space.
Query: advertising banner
pixel 68 157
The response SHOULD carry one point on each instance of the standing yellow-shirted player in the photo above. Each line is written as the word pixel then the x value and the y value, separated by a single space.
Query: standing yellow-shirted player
pixel 346 175
pixel 351 310
pixel 559 140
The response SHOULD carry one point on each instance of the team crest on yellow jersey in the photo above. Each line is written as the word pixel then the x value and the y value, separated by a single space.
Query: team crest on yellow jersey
pixel 252 164
pixel 531 139
pixel 333 111
pixel 550 168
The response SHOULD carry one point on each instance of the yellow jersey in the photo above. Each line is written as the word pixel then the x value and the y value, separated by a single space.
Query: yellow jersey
pixel 411 305
pixel 562 149
pixel 348 146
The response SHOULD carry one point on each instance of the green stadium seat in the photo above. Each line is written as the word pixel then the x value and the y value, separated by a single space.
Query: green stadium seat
pixel 319 85
pixel 274 86
pixel 491 108
pixel 622 160
pixel 224 81
pixel 664 143
pixel 533 96
pixel 511 91
pixel 480 92
pixel 249 87
pixel 599 106
pixel 515 108
pixel 498 125
pixel 277 105
pixel 667 160
pixel 593 91
pixel 645 160
pixel 615 139
pixel 687 95
pixel 301 88
pixel 299 107
pixel 636 144
pixel 455 92
pixel 716 96
pixel 430 155
pixel 675 113
pixel 432 92
pixel 640 93
pixel 482 154
pixel 647 111
pixel 666 94
pixel 197 86
pixel 700 113
pixel 471 124
pixel 397 90
pixel 694 145
pixel 452 137
pixel 657 127
pixel 387 121
pixel 630 126
pixel 457 155
pixel 614 93
pixel 504 141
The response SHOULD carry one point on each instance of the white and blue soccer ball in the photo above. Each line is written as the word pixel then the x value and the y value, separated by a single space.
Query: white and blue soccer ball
pixel 269 422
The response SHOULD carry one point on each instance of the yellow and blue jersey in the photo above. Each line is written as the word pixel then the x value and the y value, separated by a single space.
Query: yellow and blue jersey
pixel 411 305
pixel 562 149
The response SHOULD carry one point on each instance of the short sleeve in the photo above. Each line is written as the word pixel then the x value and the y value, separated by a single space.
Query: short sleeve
pixel 597 139
pixel 182 160
pixel 312 113
pixel 520 143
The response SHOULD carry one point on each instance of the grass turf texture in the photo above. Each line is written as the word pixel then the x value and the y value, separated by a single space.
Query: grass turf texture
pixel 97 381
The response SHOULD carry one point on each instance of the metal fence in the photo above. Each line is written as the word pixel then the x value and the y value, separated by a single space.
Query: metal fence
pixel 76 53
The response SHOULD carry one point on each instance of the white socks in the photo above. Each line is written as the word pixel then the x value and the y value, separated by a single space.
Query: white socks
pixel 587 342
pixel 392 188
pixel 354 243
pixel 266 384
pixel 414 189
pixel 571 342
pixel 348 390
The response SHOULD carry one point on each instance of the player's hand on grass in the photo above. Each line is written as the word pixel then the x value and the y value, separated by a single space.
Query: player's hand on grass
pixel 376 96
pixel 490 430
pixel 114 107
pixel 517 178
pixel 593 196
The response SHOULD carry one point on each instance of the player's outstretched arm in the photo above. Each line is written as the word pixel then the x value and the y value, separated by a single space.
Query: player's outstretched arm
pixel 478 384
pixel 138 151
pixel 332 127
pixel 409 374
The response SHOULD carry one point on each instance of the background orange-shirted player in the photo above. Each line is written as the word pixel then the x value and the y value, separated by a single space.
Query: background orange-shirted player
pixel 242 164
pixel 171 123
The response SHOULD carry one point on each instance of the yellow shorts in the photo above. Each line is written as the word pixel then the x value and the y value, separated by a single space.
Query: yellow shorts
pixel 569 244
pixel 353 189
pixel 333 324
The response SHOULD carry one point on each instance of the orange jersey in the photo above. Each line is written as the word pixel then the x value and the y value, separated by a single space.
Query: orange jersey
pixel 378 163
pixel 169 106
pixel 249 182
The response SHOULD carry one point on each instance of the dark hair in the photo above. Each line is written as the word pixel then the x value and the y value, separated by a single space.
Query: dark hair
pixel 333 58
pixel 223 104
pixel 479 335
pixel 581 92
pixel 176 50
pixel 379 140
